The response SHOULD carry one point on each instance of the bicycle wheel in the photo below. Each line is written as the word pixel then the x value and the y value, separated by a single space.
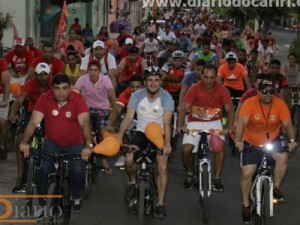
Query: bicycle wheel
pixel 52 205
pixel 296 120
pixel 87 181
pixel 95 168
pixel 66 203
pixel 30 181
pixel 205 189
pixel 266 204
pixel 141 210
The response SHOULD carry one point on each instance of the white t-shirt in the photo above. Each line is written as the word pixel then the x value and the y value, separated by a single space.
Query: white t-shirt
pixel 111 61
pixel 150 46
pixel 167 37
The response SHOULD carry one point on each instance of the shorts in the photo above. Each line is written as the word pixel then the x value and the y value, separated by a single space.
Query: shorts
pixel 99 117
pixel 139 139
pixel 3 111
pixel 252 155
pixel 189 139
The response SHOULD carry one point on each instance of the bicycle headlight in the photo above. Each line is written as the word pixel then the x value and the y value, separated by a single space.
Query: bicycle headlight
pixel 269 147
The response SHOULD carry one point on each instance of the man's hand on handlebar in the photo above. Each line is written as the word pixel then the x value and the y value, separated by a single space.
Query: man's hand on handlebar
pixel 86 153
pixel 25 148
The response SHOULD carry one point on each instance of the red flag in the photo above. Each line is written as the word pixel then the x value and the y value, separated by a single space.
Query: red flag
pixel 62 27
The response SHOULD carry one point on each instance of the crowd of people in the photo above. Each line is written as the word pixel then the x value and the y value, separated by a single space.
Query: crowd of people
pixel 199 62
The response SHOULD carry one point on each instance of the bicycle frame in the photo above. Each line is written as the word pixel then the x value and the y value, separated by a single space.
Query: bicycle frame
pixel 263 174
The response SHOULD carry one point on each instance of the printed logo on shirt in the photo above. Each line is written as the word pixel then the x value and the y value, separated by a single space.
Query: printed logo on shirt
pixel 54 112
pixel 68 114
pixel 231 77
pixel 272 117
pixel 257 116
pixel 205 113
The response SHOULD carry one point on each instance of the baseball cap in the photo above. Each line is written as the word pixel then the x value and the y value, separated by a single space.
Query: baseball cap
pixel 19 41
pixel 265 83
pixel 98 44
pixel 231 55
pixel 42 67
pixel 128 41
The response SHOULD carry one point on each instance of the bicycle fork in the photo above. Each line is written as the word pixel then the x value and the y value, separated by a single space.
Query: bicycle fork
pixel 258 193
pixel 202 162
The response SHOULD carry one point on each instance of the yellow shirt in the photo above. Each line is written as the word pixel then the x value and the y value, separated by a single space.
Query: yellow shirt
pixel 73 75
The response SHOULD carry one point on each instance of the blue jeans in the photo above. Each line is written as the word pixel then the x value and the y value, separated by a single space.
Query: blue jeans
pixel 76 169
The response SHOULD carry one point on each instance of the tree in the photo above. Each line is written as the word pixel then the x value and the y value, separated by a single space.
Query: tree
pixel 5 23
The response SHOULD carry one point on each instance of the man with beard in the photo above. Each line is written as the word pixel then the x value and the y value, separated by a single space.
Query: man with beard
pixel 152 104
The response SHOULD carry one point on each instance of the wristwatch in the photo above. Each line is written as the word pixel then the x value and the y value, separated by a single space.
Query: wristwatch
pixel 90 145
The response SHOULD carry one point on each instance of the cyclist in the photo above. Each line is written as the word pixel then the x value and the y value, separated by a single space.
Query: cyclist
pixel 190 79
pixel 30 46
pixel 72 68
pixel 151 103
pixel 164 56
pixel 206 54
pixel 234 75
pixel 167 35
pixel 173 73
pixel 150 45
pixel 205 96
pixel 20 60
pixel 67 130
pixel 107 61
pixel 99 94
pixel 4 94
pixel 31 91
pixel 260 120
pixel 56 65
pixel 133 64
pixel 292 70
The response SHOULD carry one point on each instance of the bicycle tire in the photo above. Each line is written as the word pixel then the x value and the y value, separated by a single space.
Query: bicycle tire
pixel 30 181
pixel 95 168
pixel 205 189
pixel 52 204
pixel 141 211
pixel 66 203
pixel 296 120
pixel 266 209
pixel 87 181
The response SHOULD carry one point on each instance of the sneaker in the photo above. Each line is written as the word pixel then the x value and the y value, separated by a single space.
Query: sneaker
pixel 121 162
pixel 3 153
pixel 20 187
pixel 160 212
pixel 77 203
pixel 188 182
pixel 277 195
pixel 130 191
pixel 217 185
pixel 39 214
pixel 246 214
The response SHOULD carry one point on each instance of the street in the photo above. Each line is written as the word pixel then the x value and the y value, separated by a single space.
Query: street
pixel 105 205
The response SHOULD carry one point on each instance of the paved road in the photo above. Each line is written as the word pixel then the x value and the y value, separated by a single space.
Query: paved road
pixel 105 205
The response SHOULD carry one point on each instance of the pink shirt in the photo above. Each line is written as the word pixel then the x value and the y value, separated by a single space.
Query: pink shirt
pixel 95 95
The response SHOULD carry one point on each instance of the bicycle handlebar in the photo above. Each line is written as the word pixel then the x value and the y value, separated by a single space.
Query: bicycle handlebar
pixel 56 155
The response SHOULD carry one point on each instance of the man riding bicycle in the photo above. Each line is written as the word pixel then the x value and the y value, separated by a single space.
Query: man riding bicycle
pixel 31 91
pixel 151 103
pixel 67 130
pixel 260 120
pixel 205 101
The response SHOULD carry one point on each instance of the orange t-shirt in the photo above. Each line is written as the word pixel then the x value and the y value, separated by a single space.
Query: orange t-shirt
pixel 233 78
pixel 257 128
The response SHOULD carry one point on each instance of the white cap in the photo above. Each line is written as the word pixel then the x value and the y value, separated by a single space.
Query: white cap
pixel 19 41
pixel 98 44
pixel 42 67
pixel 128 41
pixel 231 55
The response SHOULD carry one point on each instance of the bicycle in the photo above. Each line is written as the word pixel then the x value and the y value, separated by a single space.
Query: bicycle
pixel 59 209
pixel 203 169
pixel 149 58
pixel 262 188
pixel 296 109
pixel 145 187
pixel 33 163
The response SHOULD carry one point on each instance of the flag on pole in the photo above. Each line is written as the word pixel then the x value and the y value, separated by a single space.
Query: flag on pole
pixel 62 27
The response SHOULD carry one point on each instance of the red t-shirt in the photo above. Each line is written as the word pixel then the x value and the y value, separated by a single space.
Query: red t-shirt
pixel 61 123
pixel 33 91
pixel 131 68
pixel 122 53
pixel 206 105
pixel 56 65
pixel 124 97
pixel 3 68
pixel 19 62
pixel 36 52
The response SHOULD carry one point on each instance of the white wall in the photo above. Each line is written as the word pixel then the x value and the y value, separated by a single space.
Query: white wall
pixel 17 8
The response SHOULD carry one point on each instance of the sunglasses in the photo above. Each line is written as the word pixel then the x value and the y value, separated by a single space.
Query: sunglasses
pixel 270 92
